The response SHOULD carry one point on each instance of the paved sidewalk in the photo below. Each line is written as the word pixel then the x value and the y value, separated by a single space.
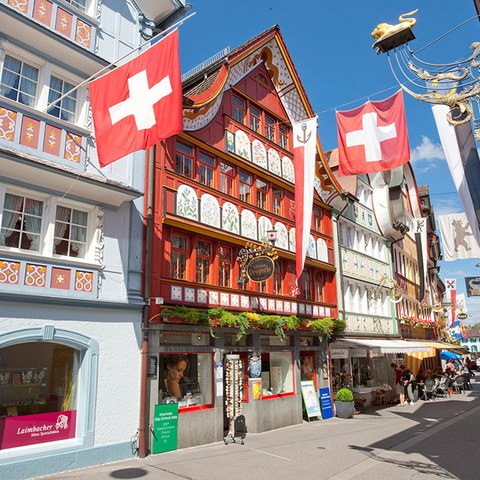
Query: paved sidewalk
pixel 426 441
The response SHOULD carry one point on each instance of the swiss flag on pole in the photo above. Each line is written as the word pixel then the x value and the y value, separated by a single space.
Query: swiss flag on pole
pixel 138 104
pixel 373 137
pixel 304 152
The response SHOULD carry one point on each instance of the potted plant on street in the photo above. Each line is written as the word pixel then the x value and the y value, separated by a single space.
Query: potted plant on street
pixel 344 403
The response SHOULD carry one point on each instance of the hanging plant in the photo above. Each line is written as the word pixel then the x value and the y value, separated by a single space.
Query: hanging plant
pixel 189 315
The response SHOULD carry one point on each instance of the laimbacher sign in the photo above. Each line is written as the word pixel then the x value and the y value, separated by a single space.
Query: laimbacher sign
pixel 165 428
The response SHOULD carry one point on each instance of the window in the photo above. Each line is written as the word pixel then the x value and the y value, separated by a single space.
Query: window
pixel 319 282
pixel 184 160
pixel 80 4
pixel 277 279
pixel 227 176
pixel 238 112
pixel 204 260
pixel 70 237
pixel 207 169
pixel 262 192
pixel 66 107
pixel 46 385
pixel 277 373
pixel 283 130
pixel 306 285
pixel 21 222
pixel 277 197
pixel 19 81
pixel 186 379
pixel 317 219
pixel 255 115
pixel 224 266
pixel 270 128
pixel 245 186
pixel 178 264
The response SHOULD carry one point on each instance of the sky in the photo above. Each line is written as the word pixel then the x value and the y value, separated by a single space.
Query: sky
pixel 330 45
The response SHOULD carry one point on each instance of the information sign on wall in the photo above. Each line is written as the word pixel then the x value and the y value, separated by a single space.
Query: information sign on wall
pixel 165 428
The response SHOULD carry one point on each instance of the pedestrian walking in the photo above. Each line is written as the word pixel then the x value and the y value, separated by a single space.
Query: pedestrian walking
pixel 408 381
pixel 397 380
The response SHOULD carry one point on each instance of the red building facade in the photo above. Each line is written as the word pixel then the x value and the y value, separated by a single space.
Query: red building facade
pixel 224 184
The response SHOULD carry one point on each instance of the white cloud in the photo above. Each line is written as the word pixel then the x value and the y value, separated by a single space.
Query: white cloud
pixel 427 151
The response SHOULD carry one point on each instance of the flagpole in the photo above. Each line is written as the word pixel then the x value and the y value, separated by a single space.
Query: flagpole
pixel 177 24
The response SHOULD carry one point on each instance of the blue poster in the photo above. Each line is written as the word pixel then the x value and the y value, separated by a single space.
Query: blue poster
pixel 326 403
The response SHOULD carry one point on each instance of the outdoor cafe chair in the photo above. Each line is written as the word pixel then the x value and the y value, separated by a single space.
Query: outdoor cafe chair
pixel 443 387
pixel 458 384
pixel 430 389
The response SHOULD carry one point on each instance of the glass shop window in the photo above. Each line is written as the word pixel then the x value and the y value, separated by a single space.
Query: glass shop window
pixel 38 380
pixel 277 373
pixel 186 379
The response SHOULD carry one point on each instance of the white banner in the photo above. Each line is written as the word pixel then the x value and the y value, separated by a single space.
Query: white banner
pixel 457 237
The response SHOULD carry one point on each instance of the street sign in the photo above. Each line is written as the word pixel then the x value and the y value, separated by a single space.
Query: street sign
pixel 165 428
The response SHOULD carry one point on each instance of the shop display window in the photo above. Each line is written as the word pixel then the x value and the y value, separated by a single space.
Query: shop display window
pixel 341 376
pixel 186 379
pixel 277 373
pixel 369 371
pixel 307 367
pixel 38 393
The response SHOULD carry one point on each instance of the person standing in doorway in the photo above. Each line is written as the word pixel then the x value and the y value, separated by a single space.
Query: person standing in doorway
pixel 399 390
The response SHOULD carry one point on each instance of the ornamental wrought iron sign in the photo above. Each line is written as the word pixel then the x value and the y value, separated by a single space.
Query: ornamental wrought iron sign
pixel 260 269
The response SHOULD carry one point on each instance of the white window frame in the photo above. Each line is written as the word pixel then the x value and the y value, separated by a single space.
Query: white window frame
pixel 45 71
pixel 47 230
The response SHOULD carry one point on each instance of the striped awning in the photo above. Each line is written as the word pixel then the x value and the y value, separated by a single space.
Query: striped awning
pixel 384 345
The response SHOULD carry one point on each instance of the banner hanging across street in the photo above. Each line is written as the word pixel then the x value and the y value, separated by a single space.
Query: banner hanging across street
pixel 373 137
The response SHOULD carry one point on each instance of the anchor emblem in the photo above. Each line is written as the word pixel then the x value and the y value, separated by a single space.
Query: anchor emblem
pixel 306 137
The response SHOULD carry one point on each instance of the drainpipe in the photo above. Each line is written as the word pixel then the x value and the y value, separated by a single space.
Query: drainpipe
pixel 144 411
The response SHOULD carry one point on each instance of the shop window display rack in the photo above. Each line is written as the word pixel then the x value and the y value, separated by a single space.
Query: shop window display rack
pixel 237 429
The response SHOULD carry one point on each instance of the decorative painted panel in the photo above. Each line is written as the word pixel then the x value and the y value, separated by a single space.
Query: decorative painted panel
pixel 60 278
pixel 322 250
pixel 73 146
pixel 201 296
pixel 369 324
pixel 9 272
pixel 249 224
pixel 187 202
pixel 35 275
pixel 52 140
pixel 292 239
pixel 224 299
pixel 176 293
pixel 245 302
pixel 235 300
pixel 288 172
pixel 230 141
pixel 83 33
pixel 83 281
pixel 29 133
pixel 311 250
pixel 189 294
pixel 20 5
pixel 264 224
pixel 42 11
pixel 282 236
pixel 286 307
pixel 259 154
pixel 213 298
pixel 357 264
pixel 242 145
pixel 230 218
pixel 279 305
pixel 64 22
pixel 8 119
pixel 210 210
pixel 274 162
pixel 271 304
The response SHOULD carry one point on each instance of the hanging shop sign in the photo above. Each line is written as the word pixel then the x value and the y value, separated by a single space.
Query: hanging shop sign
pixel 462 316
pixel 473 286
pixel 165 428
pixel 260 268
pixel 339 353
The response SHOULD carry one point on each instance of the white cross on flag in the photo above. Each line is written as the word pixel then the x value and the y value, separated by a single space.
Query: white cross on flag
pixel 139 103
pixel 373 137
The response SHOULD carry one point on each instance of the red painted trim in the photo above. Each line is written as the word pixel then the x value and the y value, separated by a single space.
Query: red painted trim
pixel 278 395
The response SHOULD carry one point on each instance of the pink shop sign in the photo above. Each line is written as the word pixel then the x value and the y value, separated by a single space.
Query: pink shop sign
pixel 40 428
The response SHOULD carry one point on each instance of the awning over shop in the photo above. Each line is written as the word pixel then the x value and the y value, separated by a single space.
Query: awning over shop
pixel 443 345
pixel 387 345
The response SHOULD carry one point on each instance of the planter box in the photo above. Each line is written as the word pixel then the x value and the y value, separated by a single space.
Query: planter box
pixel 344 409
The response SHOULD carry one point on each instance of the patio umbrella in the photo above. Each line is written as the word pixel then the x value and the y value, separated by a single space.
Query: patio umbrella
pixel 446 355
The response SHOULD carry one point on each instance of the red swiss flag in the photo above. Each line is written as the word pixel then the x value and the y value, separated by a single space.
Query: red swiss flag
pixel 138 104
pixel 373 137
